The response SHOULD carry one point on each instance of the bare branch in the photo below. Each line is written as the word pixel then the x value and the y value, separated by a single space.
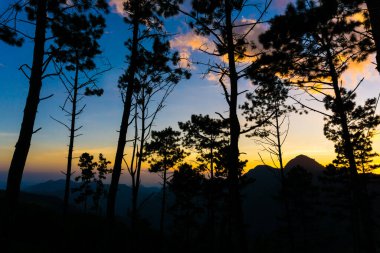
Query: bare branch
pixel 38 129
pixel 44 98
pixel 60 122
pixel 312 109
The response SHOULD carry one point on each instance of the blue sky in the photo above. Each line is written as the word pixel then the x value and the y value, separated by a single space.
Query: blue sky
pixel 102 115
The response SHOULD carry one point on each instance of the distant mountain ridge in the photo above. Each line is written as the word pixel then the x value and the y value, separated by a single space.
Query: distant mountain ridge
pixel 56 188
pixel 259 195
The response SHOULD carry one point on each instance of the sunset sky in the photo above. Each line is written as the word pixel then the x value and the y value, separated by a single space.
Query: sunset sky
pixel 101 119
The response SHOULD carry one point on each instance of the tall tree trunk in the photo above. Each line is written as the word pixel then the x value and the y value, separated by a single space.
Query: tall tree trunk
pixel 20 154
pixel 362 227
pixel 237 232
pixel 124 123
pixel 163 205
pixel 71 143
pixel 374 15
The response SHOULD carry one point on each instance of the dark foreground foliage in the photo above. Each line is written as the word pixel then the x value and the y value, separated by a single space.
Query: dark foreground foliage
pixel 39 226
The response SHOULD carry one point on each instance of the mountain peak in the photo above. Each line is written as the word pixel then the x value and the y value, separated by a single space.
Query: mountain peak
pixel 309 164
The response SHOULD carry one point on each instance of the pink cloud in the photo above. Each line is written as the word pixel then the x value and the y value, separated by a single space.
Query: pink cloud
pixel 117 6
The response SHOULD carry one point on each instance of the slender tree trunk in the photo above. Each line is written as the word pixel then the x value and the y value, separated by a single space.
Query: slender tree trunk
pixel 133 174
pixel 283 185
pixel 279 146
pixel 237 231
pixel 136 187
pixel 124 123
pixel 20 154
pixel 212 198
pixel 71 143
pixel 163 204
pixel 374 15
pixel 212 163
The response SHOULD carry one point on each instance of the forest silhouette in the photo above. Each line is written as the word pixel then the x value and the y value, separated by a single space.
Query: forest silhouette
pixel 206 202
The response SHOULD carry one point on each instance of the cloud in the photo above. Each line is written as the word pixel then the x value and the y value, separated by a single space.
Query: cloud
pixel 358 70
pixel 117 6
pixel 191 41
pixel 188 43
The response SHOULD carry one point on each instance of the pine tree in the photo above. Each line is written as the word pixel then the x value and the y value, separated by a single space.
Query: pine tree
pixel 45 15
pixel 164 153
pixel 74 51
pixel 91 173
pixel 267 107
pixel 362 123
pixel 145 19
pixel 156 78
pixel 313 43
pixel 208 137
pixel 221 21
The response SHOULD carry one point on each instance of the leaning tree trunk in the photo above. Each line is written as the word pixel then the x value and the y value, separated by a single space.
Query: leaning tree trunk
pixel 236 230
pixel 20 154
pixel 362 228
pixel 374 16
pixel 124 124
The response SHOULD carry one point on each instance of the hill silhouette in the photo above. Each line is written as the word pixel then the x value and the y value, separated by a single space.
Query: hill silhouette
pixel 261 203
pixel 307 163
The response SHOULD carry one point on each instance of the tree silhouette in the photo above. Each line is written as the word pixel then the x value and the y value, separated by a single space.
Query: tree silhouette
pixel 314 55
pixel 74 51
pixel 8 33
pixel 164 153
pixel 209 138
pixel 221 21
pixel 46 16
pixel 89 171
pixel 156 77
pixel 87 166
pixel 186 184
pixel 145 20
pixel 362 123
pixel 267 107
pixel 269 98
pixel 101 175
